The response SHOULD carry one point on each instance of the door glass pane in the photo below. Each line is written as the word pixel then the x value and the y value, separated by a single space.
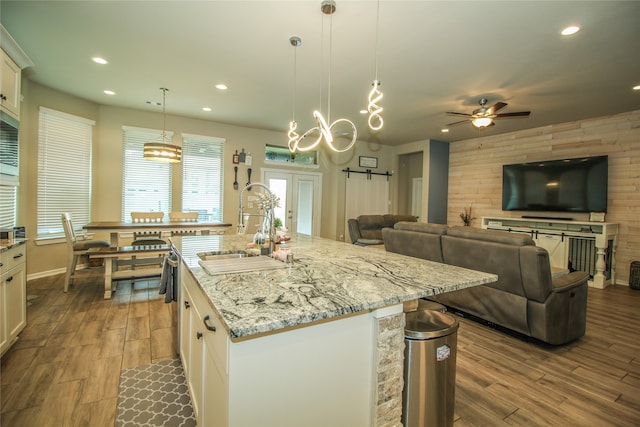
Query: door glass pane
pixel 305 207
pixel 279 188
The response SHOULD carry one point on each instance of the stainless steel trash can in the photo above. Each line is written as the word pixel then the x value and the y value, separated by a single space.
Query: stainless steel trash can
pixel 429 369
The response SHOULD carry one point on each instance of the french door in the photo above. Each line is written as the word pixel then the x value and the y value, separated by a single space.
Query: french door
pixel 300 199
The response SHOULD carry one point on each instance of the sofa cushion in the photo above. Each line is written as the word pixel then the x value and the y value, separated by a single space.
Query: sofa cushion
pixel 371 226
pixel 391 219
pixel 497 236
pixel 422 227
pixel 495 253
pixel 419 245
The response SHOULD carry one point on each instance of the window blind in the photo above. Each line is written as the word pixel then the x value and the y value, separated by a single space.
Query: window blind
pixel 202 175
pixel 146 184
pixel 7 206
pixel 64 171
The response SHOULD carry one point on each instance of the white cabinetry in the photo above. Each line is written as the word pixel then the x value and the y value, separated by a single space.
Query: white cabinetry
pixel 589 246
pixel 203 346
pixel 10 86
pixel 13 295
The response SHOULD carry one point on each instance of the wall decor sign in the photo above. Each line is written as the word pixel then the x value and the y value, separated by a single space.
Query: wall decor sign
pixel 368 162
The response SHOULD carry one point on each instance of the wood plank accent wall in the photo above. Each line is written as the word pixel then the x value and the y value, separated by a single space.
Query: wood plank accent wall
pixel 475 172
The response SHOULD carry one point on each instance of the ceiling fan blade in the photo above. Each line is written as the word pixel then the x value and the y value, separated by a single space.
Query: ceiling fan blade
pixel 517 114
pixel 457 123
pixel 453 113
pixel 496 107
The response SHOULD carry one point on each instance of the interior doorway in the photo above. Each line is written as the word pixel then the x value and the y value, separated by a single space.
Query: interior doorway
pixel 300 197
pixel 365 195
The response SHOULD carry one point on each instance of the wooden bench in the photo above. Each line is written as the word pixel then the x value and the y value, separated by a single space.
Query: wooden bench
pixel 112 255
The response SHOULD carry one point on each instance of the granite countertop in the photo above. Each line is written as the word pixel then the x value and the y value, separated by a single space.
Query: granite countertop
pixel 5 245
pixel 328 279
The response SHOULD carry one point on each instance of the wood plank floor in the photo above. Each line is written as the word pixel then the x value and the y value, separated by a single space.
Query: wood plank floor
pixel 64 370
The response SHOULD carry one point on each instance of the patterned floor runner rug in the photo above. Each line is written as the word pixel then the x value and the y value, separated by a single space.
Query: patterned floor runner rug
pixel 154 395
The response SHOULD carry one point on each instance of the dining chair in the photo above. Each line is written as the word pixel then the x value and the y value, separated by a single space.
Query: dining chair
pixel 145 238
pixel 76 248
pixel 184 217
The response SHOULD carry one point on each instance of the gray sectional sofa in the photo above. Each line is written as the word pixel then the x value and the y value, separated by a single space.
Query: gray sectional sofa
pixel 525 298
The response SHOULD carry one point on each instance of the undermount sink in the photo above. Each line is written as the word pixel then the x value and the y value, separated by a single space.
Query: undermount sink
pixel 227 255
pixel 236 262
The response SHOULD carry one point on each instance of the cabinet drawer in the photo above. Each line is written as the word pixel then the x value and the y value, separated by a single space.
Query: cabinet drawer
pixel 12 257
pixel 216 341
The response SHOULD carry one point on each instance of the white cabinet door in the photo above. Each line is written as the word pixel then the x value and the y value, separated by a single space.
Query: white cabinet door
pixel 185 328
pixel 13 296
pixel 3 323
pixel 10 86
pixel 194 379
pixel 216 392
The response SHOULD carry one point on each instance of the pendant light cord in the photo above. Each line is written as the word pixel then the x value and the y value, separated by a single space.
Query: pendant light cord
pixel 377 35
pixel 164 114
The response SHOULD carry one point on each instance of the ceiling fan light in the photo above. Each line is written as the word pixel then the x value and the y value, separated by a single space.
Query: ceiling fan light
pixel 481 122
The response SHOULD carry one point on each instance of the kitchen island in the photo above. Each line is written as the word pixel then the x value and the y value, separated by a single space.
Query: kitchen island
pixel 316 343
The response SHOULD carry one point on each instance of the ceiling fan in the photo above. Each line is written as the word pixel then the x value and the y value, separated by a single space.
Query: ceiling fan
pixel 484 116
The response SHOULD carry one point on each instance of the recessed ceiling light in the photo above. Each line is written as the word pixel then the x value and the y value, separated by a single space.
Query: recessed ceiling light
pixel 206 108
pixel 363 111
pixel 99 60
pixel 445 130
pixel 109 92
pixel 636 87
pixel 570 30
pixel 221 86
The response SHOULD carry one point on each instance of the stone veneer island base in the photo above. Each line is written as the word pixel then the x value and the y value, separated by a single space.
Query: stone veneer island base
pixel 316 344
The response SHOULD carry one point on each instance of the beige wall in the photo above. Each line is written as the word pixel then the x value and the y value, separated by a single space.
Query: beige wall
pixel 107 165
pixel 475 172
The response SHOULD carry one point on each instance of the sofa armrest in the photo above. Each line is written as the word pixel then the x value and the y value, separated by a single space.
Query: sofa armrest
pixel 569 281
pixel 354 230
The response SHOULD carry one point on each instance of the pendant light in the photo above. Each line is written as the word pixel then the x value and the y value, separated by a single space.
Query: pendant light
pixel 375 95
pixel 324 129
pixel 163 151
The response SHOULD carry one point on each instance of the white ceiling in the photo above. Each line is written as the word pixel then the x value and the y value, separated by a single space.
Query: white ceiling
pixel 433 57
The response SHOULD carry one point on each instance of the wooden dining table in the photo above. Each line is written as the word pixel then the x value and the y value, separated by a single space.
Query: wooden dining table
pixel 114 228
pixel 120 261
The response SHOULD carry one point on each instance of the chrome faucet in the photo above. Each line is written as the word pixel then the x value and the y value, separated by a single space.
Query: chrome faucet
pixel 269 211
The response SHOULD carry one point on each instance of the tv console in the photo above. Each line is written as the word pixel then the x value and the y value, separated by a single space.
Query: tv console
pixel 588 246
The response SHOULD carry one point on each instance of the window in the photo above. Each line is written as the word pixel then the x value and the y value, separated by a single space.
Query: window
pixel 202 175
pixel 146 184
pixel 64 171
pixel 274 153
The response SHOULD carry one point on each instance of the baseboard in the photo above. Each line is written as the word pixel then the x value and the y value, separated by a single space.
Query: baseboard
pixel 47 273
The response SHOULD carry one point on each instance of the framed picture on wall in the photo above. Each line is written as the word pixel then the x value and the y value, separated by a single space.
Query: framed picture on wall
pixel 368 162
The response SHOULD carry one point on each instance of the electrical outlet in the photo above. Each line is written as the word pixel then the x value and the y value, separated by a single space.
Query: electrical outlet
pixel 341 237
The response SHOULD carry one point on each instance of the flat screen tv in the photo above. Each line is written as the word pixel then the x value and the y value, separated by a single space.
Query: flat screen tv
pixel 568 185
